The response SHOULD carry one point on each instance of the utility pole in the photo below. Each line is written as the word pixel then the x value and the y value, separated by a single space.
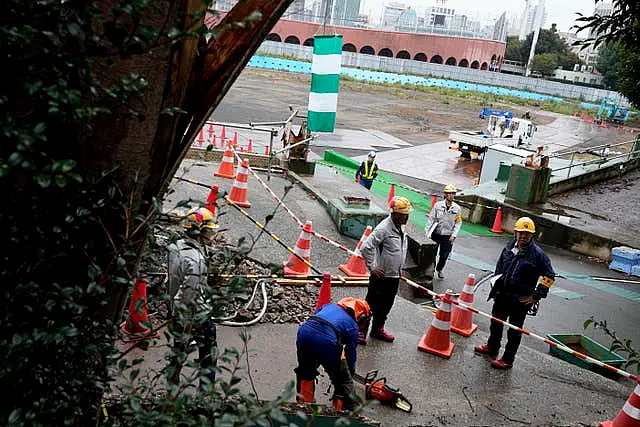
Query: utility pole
pixel 538 24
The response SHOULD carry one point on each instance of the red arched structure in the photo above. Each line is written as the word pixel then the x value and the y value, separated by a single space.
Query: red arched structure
pixel 484 66
pixel 348 47
pixel 385 52
pixel 292 40
pixel 420 57
pixel 451 61
pixel 308 42
pixel 436 59
pixel 419 46
pixel 367 50
pixel 475 65
pixel 273 38
pixel 463 63
pixel 403 54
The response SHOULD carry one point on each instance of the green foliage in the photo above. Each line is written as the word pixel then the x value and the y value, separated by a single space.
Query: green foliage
pixel 628 78
pixel 548 42
pixel 514 50
pixel 73 226
pixel 618 345
pixel 568 60
pixel 621 27
pixel 608 64
pixel 545 63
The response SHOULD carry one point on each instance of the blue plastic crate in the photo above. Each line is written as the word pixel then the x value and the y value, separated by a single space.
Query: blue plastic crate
pixel 624 259
pixel 635 270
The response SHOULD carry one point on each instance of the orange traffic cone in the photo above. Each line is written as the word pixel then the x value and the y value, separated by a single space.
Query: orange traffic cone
pixel 295 267
pixel 497 223
pixel 358 179
pixel 239 190
pixel 325 292
pixel 250 146
pixel 434 200
pixel 461 318
pixel 211 200
pixel 355 267
pixel 266 150
pixel 223 134
pixel 213 141
pixel 133 329
pixel 392 192
pixel 225 170
pixel 235 139
pixel 212 132
pixel 437 339
pixel 629 415
pixel 201 137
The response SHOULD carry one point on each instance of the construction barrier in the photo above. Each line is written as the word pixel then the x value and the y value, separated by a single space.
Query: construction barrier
pixel 437 340
pixel 324 297
pixel 356 267
pixel 134 328
pixel 240 186
pixel 296 263
pixel 527 332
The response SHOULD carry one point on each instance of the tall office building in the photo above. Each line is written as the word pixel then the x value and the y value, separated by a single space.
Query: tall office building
pixel 530 17
pixel 391 14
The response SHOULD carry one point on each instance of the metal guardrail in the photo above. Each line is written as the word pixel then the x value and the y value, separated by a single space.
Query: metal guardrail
pixel 598 150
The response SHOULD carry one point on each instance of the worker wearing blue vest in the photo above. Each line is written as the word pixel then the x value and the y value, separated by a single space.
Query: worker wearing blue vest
pixel 368 171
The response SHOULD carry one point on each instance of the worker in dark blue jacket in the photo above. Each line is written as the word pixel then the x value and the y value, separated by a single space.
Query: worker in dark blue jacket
pixel 517 291
pixel 329 339
pixel 368 171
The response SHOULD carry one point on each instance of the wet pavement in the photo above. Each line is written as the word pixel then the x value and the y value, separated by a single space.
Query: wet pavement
pixel 465 390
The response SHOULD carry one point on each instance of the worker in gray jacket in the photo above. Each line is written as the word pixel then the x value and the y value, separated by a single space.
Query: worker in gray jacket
pixel 443 226
pixel 384 253
pixel 189 297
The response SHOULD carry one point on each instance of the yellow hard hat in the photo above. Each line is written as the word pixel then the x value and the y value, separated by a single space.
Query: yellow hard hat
pixel 360 307
pixel 401 205
pixel 525 224
pixel 199 219
pixel 450 188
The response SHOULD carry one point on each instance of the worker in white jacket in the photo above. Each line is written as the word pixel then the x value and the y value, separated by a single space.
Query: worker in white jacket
pixel 443 226
pixel 384 253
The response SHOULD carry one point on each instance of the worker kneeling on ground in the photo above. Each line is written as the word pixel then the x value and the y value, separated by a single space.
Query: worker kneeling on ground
pixel 517 291
pixel 329 339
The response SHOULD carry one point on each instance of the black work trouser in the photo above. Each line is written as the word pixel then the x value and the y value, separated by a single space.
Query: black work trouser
pixel 205 336
pixel 444 247
pixel 507 307
pixel 381 295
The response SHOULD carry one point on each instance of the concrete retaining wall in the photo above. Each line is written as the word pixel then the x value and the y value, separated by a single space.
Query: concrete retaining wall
pixel 407 66
pixel 483 211
pixel 215 155
pixel 593 177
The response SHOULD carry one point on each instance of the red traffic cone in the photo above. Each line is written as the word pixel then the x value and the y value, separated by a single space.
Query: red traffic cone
pixel 295 267
pixel 223 134
pixel 235 139
pixel 266 150
pixel 358 179
pixel 461 318
pixel 201 137
pixel 497 223
pixel 212 132
pixel 211 200
pixel 434 200
pixel 325 292
pixel 250 146
pixel 392 192
pixel 355 267
pixel 213 141
pixel 629 415
pixel 239 190
pixel 437 339
pixel 225 170
pixel 133 329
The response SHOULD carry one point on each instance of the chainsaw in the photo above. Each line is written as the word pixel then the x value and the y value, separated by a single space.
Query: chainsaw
pixel 378 389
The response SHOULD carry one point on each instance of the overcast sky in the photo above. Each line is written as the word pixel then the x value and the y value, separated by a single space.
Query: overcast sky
pixel 561 12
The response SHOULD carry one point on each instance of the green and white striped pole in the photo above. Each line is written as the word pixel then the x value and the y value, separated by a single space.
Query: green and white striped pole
pixel 325 82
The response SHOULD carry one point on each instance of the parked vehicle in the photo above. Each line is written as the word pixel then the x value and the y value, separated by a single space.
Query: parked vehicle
pixel 517 133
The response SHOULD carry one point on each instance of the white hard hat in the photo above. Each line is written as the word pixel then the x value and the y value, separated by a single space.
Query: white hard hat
pixel 372 154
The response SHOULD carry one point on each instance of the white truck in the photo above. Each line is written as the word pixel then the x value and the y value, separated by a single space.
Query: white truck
pixel 515 132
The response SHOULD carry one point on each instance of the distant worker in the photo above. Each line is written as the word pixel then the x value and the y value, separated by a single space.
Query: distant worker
pixel 187 288
pixel 527 115
pixel 384 253
pixel 444 225
pixel 329 339
pixel 517 291
pixel 368 171
pixel 535 160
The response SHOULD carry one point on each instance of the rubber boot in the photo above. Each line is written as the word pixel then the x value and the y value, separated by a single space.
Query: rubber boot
pixel 382 334
pixel 363 328
pixel 306 391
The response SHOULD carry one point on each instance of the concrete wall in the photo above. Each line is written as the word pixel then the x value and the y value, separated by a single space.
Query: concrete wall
pixel 404 66
pixel 483 211
pixel 592 177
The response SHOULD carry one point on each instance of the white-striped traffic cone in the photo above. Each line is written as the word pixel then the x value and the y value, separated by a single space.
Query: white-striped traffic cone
pixel 437 340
